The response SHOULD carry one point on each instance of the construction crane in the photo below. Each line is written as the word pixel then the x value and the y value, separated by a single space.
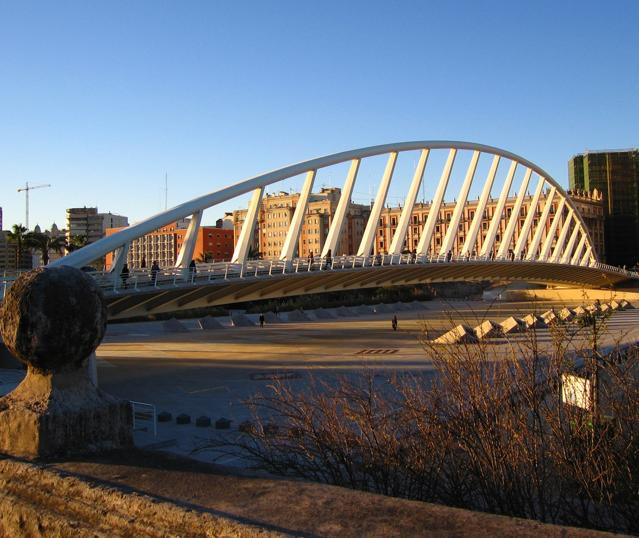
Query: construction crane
pixel 26 190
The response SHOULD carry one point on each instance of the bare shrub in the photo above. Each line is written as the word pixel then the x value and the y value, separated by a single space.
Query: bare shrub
pixel 488 431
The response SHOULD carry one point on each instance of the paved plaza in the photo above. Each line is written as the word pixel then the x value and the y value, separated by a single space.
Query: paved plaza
pixel 210 372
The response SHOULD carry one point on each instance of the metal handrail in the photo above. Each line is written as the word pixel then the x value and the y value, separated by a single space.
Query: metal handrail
pixel 140 280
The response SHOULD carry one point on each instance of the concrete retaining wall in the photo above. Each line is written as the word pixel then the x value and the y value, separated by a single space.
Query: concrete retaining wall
pixel 570 295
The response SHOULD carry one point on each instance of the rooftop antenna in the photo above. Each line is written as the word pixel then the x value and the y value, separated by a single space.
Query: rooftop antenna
pixel 26 190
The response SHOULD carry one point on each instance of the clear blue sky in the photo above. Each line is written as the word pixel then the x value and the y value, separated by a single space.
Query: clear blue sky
pixel 101 98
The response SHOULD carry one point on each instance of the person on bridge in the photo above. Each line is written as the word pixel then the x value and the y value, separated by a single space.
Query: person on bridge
pixel 328 261
pixel 124 275
pixel 394 322
pixel 261 320
pixel 192 269
pixel 311 260
pixel 155 269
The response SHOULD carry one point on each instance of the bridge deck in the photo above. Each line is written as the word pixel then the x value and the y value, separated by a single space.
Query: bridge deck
pixel 224 284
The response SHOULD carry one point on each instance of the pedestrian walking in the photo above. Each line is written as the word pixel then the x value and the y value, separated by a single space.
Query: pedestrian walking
pixel 394 322
pixel 155 269
pixel 192 269
pixel 261 320
pixel 124 275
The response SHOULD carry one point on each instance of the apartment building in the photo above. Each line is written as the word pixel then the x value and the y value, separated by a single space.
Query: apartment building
pixel 87 222
pixel 213 244
pixel 275 216
pixel 590 206
pixel 615 175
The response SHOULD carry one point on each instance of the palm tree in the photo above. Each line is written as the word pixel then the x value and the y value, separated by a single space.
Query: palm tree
pixel 205 257
pixel 45 243
pixel 76 242
pixel 17 235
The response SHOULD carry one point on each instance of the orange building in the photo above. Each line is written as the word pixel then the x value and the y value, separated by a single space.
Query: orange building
pixel 213 243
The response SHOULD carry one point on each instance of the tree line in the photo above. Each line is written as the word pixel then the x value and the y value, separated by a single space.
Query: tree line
pixel 42 242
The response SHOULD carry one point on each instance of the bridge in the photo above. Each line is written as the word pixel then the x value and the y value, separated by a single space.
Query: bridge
pixel 551 246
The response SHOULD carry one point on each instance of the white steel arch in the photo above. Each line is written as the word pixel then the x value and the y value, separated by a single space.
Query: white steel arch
pixel 119 242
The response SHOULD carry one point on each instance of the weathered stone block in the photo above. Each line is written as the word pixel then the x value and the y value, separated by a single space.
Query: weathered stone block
pixel 53 319
pixel 50 416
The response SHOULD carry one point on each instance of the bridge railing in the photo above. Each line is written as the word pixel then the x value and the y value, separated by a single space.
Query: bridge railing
pixel 144 280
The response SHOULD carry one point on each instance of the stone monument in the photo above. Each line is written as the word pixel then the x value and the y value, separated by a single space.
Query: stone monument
pixel 53 319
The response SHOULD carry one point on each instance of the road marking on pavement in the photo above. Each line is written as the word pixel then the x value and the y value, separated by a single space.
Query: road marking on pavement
pixel 223 388
pixel 271 376
pixel 377 351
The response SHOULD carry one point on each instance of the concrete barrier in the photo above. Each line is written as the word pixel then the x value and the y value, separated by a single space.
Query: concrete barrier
pixel 322 313
pixel 297 315
pixel 209 323
pixel 512 325
pixel 241 320
pixel 461 334
pixel 534 321
pixel 173 326
pixel 488 329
